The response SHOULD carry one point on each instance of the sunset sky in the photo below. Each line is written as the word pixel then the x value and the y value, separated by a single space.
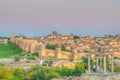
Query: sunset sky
pixel 41 17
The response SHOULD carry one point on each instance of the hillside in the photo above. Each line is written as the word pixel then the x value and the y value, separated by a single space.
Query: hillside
pixel 8 50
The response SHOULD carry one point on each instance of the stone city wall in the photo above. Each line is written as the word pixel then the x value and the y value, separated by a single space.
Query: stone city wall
pixel 33 46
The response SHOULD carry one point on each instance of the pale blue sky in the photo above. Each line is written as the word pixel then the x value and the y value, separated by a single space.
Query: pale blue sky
pixel 41 17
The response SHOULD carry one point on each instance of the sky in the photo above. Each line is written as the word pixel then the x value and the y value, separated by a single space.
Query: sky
pixel 41 17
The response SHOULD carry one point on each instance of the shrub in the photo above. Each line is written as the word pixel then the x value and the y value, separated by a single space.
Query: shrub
pixel 117 69
pixel 49 46
pixel 26 78
pixel 52 75
pixel 1 64
pixel 64 49
pixel 71 59
pixel 32 56
pixel 35 54
pixel 79 69
pixel 17 58
pixel 64 71
pixel 27 61
pixel 40 75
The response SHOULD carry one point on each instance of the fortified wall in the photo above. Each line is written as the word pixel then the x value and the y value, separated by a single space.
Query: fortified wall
pixel 3 41
pixel 32 46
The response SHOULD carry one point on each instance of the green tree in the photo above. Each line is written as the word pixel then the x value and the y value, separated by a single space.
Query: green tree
pixel 52 75
pixel 39 75
pixel 49 46
pixel 79 69
pixel 64 71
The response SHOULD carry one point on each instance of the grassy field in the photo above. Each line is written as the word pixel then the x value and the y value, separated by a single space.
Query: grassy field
pixel 8 50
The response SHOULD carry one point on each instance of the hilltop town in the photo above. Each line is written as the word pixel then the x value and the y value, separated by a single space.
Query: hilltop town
pixel 60 56
pixel 68 44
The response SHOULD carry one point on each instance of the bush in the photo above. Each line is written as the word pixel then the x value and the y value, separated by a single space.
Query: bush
pixel 26 78
pixel 17 58
pixel 35 54
pixel 1 64
pixel 32 56
pixel 71 59
pixel 52 75
pixel 117 69
pixel 64 49
pixel 79 69
pixel 49 46
pixel 40 75
pixel 27 61
pixel 64 71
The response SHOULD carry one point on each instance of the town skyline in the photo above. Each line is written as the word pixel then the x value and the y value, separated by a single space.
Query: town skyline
pixel 49 33
pixel 62 33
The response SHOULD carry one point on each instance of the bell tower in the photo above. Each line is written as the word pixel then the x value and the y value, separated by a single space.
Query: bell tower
pixel 11 37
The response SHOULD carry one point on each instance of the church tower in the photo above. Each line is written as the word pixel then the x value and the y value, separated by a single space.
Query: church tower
pixel 11 37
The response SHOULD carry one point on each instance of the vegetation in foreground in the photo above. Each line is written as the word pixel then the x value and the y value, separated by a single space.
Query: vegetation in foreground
pixel 9 50
pixel 39 72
